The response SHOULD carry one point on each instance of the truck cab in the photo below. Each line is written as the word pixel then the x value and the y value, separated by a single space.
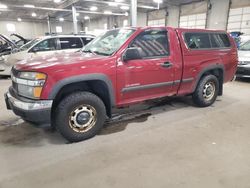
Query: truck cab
pixel 77 92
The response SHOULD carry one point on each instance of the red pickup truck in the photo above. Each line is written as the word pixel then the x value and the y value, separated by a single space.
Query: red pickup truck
pixel 77 92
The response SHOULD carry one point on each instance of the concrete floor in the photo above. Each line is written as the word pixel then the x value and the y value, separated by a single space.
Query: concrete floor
pixel 172 145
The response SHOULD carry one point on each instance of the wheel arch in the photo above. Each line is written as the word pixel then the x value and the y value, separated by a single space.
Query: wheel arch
pixel 218 70
pixel 98 84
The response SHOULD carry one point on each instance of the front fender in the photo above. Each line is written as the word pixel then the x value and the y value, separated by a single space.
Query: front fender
pixel 80 78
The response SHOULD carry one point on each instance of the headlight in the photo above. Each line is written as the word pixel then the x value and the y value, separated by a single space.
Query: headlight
pixel 30 84
pixel 32 76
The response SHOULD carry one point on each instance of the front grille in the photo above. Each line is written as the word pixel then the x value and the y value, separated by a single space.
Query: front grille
pixel 14 85
pixel 243 71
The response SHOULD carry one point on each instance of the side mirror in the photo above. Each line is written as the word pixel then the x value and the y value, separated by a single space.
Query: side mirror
pixel 132 53
pixel 35 49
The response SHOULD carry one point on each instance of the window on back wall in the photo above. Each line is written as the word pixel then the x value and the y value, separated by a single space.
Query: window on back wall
pixel 159 22
pixel 59 29
pixel 193 21
pixel 11 27
pixel 239 20
pixel 125 23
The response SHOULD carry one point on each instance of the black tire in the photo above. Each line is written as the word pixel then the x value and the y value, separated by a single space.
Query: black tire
pixel 200 96
pixel 67 108
pixel 28 121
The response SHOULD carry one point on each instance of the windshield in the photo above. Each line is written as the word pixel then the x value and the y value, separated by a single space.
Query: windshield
pixel 108 43
pixel 245 46
pixel 29 44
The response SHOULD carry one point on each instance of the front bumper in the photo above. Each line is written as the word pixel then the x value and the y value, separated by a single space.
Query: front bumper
pixel 37 111
pixel 243 71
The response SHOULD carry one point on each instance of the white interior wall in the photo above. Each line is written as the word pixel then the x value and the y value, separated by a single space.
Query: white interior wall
pixel 97 26
pixel 26 29
pixel 67 27
pixel 217 18
pixel 34 29
pixel 194 8
pixel 239 3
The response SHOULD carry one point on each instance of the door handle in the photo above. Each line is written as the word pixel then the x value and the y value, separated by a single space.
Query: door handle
pixel 166 64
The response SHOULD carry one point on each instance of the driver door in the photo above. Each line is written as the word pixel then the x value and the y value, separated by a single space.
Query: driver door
pixel 151 76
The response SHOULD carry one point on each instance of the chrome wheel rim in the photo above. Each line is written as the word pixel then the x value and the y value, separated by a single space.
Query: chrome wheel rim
pixel 209 91
pixel 82 118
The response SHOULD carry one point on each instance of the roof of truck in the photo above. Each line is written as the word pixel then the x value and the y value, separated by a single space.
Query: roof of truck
pixel 176 28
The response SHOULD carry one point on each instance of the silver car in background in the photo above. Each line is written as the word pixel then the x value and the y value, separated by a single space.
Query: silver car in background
pixel 44 46
pixel 243 70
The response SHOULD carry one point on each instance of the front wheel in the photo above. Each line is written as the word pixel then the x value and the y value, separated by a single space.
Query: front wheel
pixel 206 91
pixel 80 116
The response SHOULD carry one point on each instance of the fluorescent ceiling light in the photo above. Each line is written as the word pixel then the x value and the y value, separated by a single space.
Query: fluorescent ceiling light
pixel 77 14
pixel 93 8
pixel 124 7
pixel 148 7
pixel 107 12
pixel 61 19
pixel 126 13
pixel 113 4
pixel 29 6
pixel 86 17
pixel 57 1
pixel 33 14
pixel 158 1
pixel 119 1
pixel 19 19
pixel 2 6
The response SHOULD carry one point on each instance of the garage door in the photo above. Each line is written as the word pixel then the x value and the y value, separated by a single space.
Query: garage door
pixel 158 22
pixel 193 21
pixel 239 20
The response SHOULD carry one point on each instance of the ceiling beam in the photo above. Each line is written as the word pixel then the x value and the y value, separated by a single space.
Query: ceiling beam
pixel 65 4
pixel 64 10
pixel 124 4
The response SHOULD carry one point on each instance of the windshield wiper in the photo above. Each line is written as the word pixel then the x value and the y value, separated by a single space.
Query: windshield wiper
pixel 88 51
pixel 100 53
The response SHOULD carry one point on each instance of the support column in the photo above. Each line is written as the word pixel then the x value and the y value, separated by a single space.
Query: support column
pixel 74 19
pixel 173 16
pixel 218 14
pixel 49 25
pixel 133 13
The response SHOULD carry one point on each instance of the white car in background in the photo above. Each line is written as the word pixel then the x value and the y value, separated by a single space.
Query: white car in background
pixel 44 46
pixel 243 70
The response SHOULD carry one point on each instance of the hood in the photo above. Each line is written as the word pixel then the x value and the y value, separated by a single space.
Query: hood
pixel 59 62
pixel 19 37
pixel 9 41
pixel 15 57
pixel 244 55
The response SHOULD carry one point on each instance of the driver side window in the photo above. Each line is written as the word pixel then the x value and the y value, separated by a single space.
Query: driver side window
pixel 152 43
pixel 46 45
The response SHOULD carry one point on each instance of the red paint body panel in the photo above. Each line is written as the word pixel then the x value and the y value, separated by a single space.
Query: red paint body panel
pixel 186 64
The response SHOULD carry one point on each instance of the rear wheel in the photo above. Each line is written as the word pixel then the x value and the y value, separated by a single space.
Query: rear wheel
pixel 80 116
pixel 206 91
